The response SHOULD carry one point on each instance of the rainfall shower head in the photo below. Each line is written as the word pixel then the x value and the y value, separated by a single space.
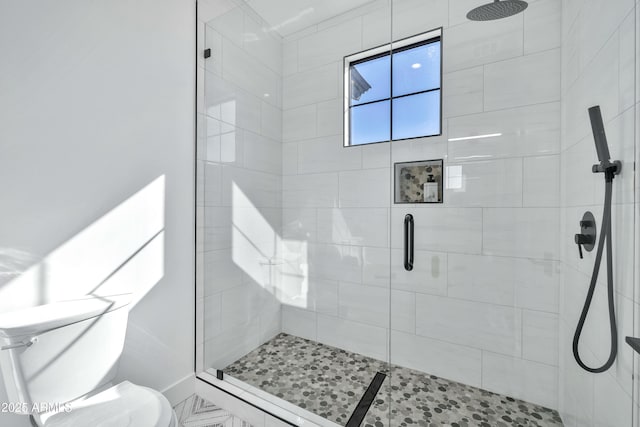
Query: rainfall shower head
pixel 497 10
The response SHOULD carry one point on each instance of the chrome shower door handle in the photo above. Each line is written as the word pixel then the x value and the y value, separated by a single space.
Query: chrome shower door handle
pixel 408 242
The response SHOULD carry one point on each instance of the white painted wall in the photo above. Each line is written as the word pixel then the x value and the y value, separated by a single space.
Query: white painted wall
pixel 98 102
pixel 598 68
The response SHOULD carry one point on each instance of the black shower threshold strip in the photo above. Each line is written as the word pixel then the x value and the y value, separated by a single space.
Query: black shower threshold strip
pixel 366 401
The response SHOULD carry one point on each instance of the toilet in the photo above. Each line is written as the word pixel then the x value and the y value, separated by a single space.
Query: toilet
pixel 58 361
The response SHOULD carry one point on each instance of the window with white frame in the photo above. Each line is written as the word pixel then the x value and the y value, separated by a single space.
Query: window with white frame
pixel 393 92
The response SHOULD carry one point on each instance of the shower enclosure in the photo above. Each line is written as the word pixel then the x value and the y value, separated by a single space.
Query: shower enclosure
pixel 387 198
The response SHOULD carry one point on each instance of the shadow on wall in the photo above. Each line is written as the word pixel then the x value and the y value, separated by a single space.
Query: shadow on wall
pixel 121 252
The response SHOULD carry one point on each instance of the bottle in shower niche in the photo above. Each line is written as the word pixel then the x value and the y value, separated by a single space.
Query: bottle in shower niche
pixel 430 189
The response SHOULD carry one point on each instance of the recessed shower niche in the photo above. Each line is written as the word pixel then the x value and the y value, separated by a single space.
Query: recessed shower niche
pixel 418 182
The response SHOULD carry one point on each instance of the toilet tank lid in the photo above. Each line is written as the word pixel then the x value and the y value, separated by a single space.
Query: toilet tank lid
pixel 43 318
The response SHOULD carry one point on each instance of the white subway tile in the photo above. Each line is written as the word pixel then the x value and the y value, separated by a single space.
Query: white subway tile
pixel 540 337
pixel 353 336
pixel 213 41
pixel 242 69
pixel 220 272
pixel 526 80
pixel 353 226
pixel 299 322
pixel 299 123
pixel 542 26
pixel 289 57
pixel 247 188
pixel 336 262
pixel 541 181
pixel 463 92
pixel 411 17
pixel 483 184
pixel 330 116
pixel 612 405
pixel 330 44
pixel 299 224
pixel 212 322
pixel 519 282
pixel 262 44
pixel 312 190
pixel 271 124
pixel 327 154
pixel 429 274
pixel 365 188
pixel 312 86
pixel 403 311
pixel 290 158
pixel 524 131
pixel 261 153
pixel 440 229
pixel 522 379
pixel 325 295
pixel 375 266
pixel 364 304
pixel 479 325
pixel 228 20
pixel 455 362
pixel 474 43
pixel 521 232
pixel 376 26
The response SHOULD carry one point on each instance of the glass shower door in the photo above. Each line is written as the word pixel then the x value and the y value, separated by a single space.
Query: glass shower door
pixel 482 320
pixel 293 238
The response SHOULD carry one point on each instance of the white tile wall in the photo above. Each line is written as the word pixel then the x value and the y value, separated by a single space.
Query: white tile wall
pixel 525 131
pixel 520 378
pixel 362 338
pixel 354 226
pixel 521 232
pixel 473 43
pixel 464 92
pixel 597 54
pixel 493 183
pixel 364 304
pixel 457 362
pixel 479 325
pixel 481 268
pixel 525 80
pixel 482 301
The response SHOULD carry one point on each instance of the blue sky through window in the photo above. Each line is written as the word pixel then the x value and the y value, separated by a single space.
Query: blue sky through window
pixel 412 110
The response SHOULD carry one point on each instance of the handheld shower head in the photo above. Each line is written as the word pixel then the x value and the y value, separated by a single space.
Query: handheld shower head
pixel 602 147
pixel 599 136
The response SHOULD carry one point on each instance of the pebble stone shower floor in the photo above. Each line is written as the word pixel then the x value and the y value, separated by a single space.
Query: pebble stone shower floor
pixel 330 382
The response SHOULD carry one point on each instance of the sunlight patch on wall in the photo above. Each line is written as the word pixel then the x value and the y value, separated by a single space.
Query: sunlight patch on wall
pixel 121 252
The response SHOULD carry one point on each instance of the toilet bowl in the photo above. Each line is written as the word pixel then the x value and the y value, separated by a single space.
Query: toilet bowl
pixel 125 404
pixel 59 360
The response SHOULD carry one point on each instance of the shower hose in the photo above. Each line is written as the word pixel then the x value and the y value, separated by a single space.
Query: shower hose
pixel 605 236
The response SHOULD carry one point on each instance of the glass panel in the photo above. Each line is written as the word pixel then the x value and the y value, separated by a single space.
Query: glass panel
pixel 416 115
pixel 416 69
pixel 370 123
pixel 370 80
pixel 292 228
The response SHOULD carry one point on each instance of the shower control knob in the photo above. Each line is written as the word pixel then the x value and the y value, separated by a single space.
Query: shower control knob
pixel 587 237
pixel 580 240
